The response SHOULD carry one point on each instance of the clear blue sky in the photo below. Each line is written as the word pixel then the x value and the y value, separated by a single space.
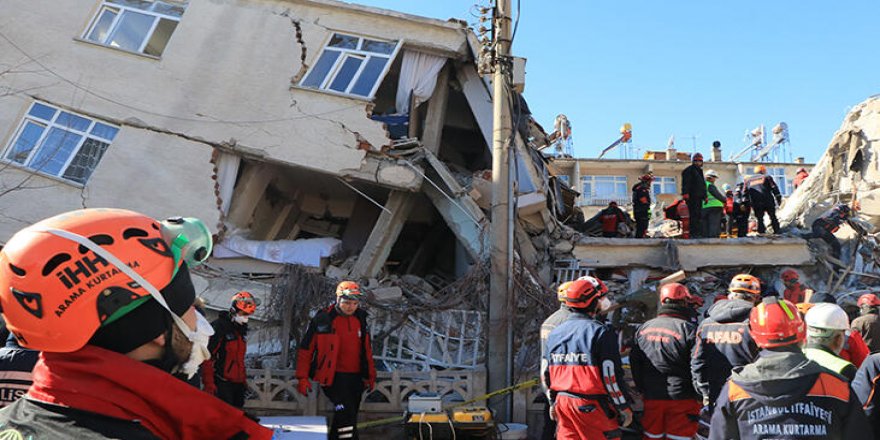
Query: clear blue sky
pixel 711 69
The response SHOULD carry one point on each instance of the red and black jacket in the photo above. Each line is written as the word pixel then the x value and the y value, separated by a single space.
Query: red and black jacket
pixel 610 217
pixel 228 346
pixel 330 342
pixel 661 357
pixel 762 191
pixel 641 197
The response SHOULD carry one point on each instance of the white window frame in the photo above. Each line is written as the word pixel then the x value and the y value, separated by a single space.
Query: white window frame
pixel 346 53
pixel 778 175
pixel 113 28
pixel 592 198
pixel 48 125
pixel 662 182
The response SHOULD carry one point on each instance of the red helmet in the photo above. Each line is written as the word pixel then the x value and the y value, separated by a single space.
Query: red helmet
pixel 789 275
pixel 869 299
pixel 349 290
pixel 582 292
pixel 776 323
pixel 697 156
pixel 695 301
pixel 674 292
pixel 244 302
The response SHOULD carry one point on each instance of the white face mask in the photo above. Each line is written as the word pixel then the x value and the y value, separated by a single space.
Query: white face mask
pixel 604 304
pixel 199 352
pixel 240 319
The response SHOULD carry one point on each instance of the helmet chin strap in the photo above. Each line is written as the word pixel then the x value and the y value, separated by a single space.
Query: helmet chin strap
pixel 136 277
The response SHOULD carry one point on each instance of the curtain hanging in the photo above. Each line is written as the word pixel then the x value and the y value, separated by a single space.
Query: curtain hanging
pixel 418 76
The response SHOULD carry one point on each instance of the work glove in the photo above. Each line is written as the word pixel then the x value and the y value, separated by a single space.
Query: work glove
pixel 552 410
pixel 626 417
pixel 304 387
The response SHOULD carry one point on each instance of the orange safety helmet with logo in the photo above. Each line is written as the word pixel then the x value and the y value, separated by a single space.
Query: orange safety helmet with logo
pixel 746 286
pixel 56 292
pixel 244 302
pixel 349 290
pixel 776 323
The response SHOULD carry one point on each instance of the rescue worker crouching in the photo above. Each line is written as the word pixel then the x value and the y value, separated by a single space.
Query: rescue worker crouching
pixel 828 223
pixel 783 394
pixel 225 374
pixel 868 323
pixel 827 325
pixel 106 296
pixel 584 374
pixel 335 352
pixel 660 361
pixel 795 291
pixel 611 218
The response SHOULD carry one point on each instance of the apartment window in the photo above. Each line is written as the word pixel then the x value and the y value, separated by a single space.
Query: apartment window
pixel 664 185
pixel 600 190
pixel 778 174
pixel 351 65
pixel 142 26
pixel 59 143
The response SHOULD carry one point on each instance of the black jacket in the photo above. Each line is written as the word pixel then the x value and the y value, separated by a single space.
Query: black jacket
pixel 693 183
pixel 723 342
pixel 43 421
pixel 16 365
pixel 868 325
pixel 741 206
pixel 865 386
pixel 641 197
pixel 762 191
pixel 783 395
pixel 661 356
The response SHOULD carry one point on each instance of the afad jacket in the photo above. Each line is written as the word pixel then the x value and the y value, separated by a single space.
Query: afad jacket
pixel 321 347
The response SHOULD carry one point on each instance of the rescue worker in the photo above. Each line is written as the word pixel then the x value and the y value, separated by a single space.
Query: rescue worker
pixel 741 211
pixel 723 341
pixel 16 370
pixel 763 195
pixel 795 291
pixel 660 361
pixel 826 225
pixel 611 218
pixel 106 296
pixel 866 385
pixel 713 207
pixel 588 398
pixel 693 191
pixel 225 374
pixel 641 197
pixel 826 332
pixel 335 352
pixel 729 224
pixel 783 394
pixel 799 177
pixel 854 348
pixel 868 323
pixel 552 321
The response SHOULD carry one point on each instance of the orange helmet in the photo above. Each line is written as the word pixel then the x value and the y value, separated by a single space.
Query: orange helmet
pixel 745 283
pixel 803 308
pixel 760 169
pixel 244 302
pixel 582 292
pixel 776 323
pixel 789 276
pixel 560 291
pixel 349 290
pixel 674 292
pixel 56 293
pixel 869 300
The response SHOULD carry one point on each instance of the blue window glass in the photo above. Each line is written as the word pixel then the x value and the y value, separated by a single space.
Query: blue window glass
pixel 27 140
pixel 42 111
pixel 102 26
pixel 344 41
pixel 378 46
pixel 321 69
pixel 104 131
pixel 369 76
pixel 343 78
pixel 55 150
pixel 73 121
pixel 131 30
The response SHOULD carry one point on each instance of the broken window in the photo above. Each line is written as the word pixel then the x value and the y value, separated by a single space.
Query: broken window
pixel 351 65
pixel 600 190
pixel 664 185
pixel 59 143
pixel 778 175
pixel 142 26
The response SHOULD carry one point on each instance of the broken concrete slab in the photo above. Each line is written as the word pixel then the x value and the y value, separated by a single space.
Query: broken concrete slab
pixel 391 293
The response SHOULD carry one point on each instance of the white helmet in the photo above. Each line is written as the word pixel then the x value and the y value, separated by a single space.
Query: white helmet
pixel 712 173
pixel 827 316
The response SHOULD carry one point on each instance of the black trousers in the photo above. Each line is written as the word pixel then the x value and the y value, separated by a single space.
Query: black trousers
pixel 742 224
pixel 759 214
pixel 695 212
pixel 641 223
pixel 712 222
pixel 231 392
pixel 827 236
pixel 345 393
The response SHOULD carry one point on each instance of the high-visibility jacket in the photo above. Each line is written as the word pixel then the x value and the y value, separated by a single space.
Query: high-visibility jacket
pixel 831 362
pixel 711 201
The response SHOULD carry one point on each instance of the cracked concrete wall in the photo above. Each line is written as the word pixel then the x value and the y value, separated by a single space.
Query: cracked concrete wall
pixel 225 74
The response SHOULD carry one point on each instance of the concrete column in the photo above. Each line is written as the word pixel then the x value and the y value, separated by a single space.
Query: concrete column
pixel 248 193
pixel 384 235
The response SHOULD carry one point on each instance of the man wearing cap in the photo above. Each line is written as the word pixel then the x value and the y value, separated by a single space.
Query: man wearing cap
pixel 827 325
pixel 106 296
pixel 693 191
pixel 713 207
pixel 336 353
pixel 225 374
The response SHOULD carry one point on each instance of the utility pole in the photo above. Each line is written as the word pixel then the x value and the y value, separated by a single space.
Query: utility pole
pixel 499 347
